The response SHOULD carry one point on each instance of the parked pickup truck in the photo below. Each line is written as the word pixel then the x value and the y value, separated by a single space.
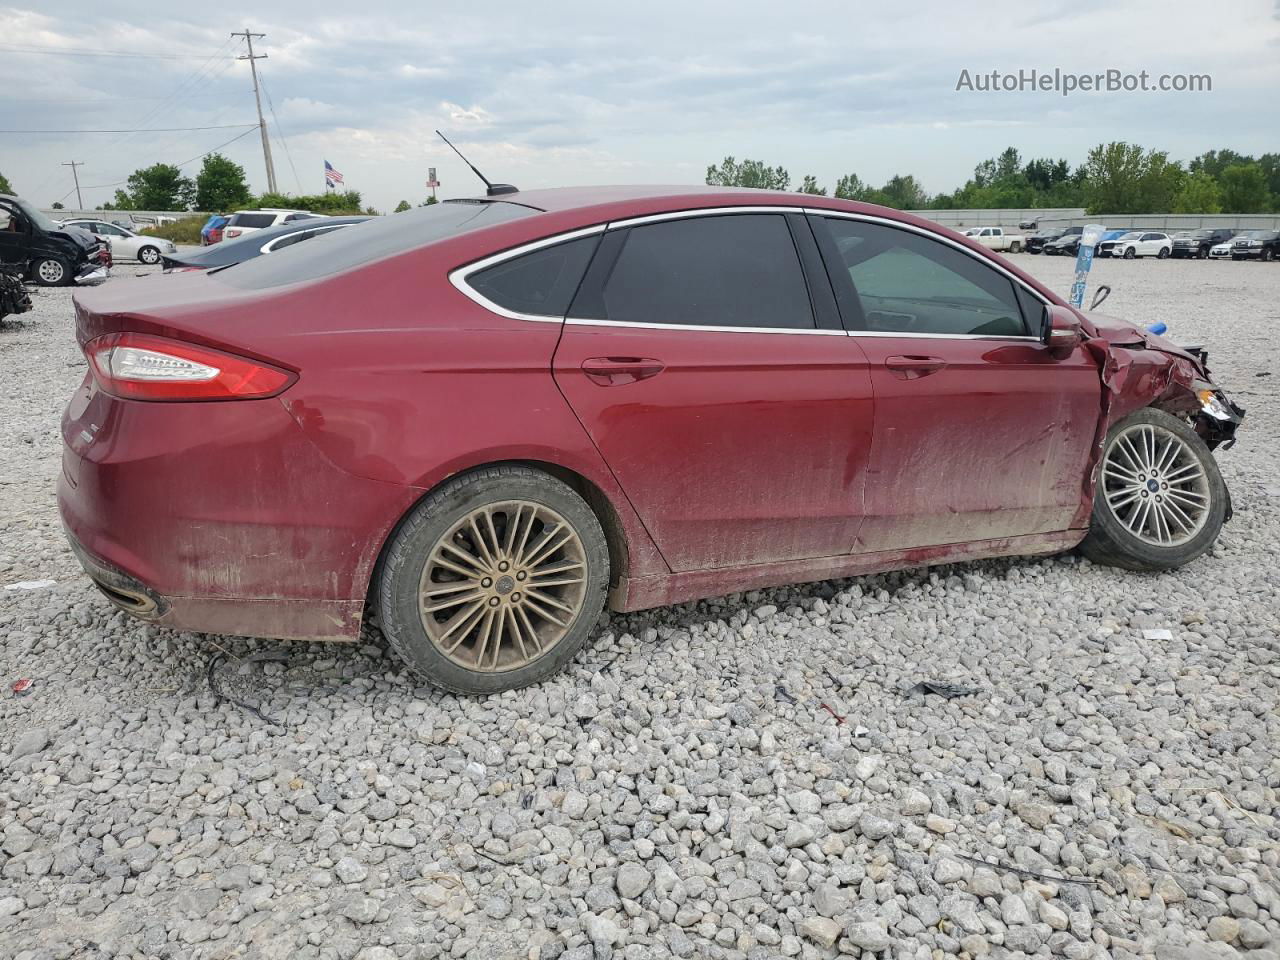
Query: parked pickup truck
pixel 994 238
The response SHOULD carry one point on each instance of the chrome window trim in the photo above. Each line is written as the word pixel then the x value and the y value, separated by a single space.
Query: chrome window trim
pixel 459 275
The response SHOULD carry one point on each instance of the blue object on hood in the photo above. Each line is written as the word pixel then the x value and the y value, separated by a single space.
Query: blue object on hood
pixel 1159 328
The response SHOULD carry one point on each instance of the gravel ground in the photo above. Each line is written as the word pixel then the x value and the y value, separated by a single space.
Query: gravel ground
pixel 671 794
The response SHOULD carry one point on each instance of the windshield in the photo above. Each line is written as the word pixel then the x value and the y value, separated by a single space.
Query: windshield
pixel 380 237
pixel 36 217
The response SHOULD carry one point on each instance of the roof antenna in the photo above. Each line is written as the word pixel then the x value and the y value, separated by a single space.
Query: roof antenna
pixel 491 189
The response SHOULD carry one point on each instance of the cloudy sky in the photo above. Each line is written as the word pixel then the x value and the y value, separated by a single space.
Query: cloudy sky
pixel 574 92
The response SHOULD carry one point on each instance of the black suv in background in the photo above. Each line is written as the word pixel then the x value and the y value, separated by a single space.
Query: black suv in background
pixel 1197 243
pixel 1067 243
pixel 1261 245
pixel 37 248
pixel 1035 243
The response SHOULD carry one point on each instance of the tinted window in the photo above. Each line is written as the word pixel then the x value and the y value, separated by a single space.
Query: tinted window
pixel 375 239
pixel 542 282
pixel 908 283
pixel 252 220
pixel 725 271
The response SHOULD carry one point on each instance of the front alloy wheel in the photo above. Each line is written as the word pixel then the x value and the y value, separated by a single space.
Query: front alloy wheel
pixel 149 255
pixel 50 272
pixel 494 581
pixel 1160 499
pixel 1130 253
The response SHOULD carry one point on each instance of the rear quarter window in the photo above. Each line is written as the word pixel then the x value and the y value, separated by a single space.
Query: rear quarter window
pixel 541 282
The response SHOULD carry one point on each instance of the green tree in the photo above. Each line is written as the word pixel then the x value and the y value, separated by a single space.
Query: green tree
pixel 5 186
pixel 1199 194
pixel 1270 164
pixel 903 193
pixel 748 173
pixel 428 202
pixel 221 185
pixel 1214 162
pixel 1124 178
pixel 55 205
pixel 160 186
pixel 1244 189
pixel 810 185
pixel 851 187
pixel 402 206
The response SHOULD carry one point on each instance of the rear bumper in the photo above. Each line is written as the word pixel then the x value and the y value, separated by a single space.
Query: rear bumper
pixel 220 517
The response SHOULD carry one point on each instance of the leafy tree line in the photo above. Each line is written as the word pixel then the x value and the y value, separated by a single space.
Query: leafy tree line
pixel 1114 178
pixel 220 186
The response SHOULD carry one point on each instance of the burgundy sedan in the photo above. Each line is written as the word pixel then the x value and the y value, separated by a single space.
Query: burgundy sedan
pixel 487 419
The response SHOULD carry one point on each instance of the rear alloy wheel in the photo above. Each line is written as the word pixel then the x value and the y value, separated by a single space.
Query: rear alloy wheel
pixel 1160 500
pixel 1130 253
pixel 50 272
pixel 1163 254
pixel 149 255
pixel 494 581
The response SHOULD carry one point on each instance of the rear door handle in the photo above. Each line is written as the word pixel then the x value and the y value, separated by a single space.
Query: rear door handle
pixel 615 371
pixel 913 368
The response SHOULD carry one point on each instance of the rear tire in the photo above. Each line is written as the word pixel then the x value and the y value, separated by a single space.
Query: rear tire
pixel 523 613
pixel 1129 528
pixel 1163 254
pixel 1015 247
pixel 51 272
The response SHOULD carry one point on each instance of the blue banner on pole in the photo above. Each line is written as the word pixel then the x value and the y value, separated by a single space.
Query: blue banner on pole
pixel 1084 260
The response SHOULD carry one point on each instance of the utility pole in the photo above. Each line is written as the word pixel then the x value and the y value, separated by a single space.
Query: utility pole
pixel 75 176
pixel 262 124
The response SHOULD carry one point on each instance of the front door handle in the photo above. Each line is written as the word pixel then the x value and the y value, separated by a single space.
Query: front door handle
pixel 913 368
pixel 615 371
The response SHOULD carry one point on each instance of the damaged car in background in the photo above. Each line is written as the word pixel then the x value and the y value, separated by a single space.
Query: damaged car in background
pixel 480 422
pixel 42 250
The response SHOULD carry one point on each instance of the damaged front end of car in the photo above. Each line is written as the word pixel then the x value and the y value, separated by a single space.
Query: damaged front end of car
pixel 1140 369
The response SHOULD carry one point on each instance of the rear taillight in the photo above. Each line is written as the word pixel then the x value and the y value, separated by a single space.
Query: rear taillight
pixel 139 366
pixel 233 233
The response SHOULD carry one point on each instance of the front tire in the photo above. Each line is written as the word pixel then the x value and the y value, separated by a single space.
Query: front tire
pixel 1203 254
pixel 1160 500
pixel 1130 254
pixel 494 581
pixel 51 272
pixel 1267 254
pixel 149 255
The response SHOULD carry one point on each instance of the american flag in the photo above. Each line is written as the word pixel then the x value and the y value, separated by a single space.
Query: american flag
pixel 331 176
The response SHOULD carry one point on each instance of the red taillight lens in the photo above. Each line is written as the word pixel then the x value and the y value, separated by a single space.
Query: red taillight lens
pixel 138 366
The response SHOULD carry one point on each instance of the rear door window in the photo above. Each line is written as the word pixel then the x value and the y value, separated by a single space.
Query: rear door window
pixel 541 283
pixel 739 270
pixel 909 283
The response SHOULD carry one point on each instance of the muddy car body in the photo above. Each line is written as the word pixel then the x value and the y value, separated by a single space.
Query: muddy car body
pixel 481 418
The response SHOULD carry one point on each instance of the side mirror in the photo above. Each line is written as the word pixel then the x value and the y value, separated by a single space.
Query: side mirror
pixel 1060 332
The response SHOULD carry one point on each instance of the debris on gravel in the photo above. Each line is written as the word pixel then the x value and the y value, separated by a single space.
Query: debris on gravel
pixel 679 791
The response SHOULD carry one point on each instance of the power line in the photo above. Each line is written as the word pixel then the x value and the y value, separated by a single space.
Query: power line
pixel 58 52
pixel 238 136
pixel 280 133
pixel 225 126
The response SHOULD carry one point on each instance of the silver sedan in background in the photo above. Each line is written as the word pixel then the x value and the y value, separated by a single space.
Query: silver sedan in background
pixel 124 243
